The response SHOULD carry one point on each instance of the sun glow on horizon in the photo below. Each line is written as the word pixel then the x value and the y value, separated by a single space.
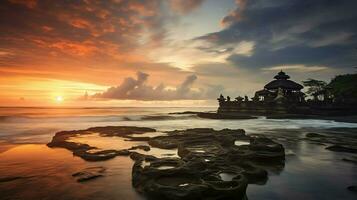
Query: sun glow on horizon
pixel 59 99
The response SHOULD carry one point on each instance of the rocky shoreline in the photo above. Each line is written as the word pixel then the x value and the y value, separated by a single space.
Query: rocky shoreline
pixel 210 163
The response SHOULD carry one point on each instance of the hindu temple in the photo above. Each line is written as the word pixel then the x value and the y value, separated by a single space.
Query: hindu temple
pixel 280 95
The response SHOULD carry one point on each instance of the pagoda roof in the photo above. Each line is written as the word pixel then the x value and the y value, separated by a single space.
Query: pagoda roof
pixel 283 82
pixel 281 76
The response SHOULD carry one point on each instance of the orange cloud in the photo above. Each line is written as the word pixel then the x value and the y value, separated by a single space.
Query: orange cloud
pixel 27 3
pixel 97 42
pixel 79 23
pixel 147 9
pixel 80 49
pixel 47 28
pixel 234 15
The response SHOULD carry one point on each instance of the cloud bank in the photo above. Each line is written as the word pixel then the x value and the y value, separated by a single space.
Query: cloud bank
pixel 138 89
pixel 96 42
pixel 294 32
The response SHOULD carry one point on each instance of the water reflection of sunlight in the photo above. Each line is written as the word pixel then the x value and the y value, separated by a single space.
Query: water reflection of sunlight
pixel 118 143
pixel 37 166
pixel 95 140
pixel 241 142
pixel 149 134
pixel 32 152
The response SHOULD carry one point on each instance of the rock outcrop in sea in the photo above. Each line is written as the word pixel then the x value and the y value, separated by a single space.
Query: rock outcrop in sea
pixel 211 164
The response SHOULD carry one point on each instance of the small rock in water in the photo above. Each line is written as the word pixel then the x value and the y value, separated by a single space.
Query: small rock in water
pixel 312 135
pixel 318 143
pixel 142 147
pixel 123 152
pixel 89 173
pixel 352 188
pixel 10 178
pixel 339 148
pixel 352 159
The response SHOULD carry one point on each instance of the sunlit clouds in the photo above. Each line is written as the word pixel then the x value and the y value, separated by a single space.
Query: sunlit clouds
pixel 138 89
pixel 301 68
pixel 50 48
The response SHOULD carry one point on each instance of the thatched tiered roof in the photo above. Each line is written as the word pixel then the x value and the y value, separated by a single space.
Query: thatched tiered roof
pixel 283 82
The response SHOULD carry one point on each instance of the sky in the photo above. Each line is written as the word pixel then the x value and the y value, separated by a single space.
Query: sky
pixel 166 52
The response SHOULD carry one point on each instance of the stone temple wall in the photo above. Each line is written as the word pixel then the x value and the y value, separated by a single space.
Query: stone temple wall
pixel 251 107
pixel 272 108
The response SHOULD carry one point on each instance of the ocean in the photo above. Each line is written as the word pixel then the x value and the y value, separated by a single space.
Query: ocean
pixel 39 172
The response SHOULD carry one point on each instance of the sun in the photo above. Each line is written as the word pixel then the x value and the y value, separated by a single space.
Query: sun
pixel 59 99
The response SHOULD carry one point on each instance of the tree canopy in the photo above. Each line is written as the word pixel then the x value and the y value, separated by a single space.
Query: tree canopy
pixel 344 86
pixel 314 87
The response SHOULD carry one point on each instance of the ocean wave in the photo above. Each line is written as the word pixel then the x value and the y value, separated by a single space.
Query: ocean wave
pixel 3 118
pixel 89 118
pixel 166 117
pixel 32 119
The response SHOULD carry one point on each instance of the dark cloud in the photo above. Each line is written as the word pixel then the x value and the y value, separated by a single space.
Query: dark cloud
pixel 319 32
pixel 185 87
pixel 138 89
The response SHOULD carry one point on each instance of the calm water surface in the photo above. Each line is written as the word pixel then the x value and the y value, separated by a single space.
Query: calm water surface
pixel 310 171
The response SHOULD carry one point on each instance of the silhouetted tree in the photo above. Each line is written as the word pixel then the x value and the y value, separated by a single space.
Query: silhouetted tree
pixel 344 88
pixel 314 87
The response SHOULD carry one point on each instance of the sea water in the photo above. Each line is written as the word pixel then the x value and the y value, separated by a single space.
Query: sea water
pixel 310 171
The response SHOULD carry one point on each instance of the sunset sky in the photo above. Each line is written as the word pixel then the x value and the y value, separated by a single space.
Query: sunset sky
pixel 166 52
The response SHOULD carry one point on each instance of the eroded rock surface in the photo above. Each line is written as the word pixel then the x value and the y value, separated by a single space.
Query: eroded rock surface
pixel 210 166
pixel 336 139
pixel 89 153
pixel 343 148
pixel 142 147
